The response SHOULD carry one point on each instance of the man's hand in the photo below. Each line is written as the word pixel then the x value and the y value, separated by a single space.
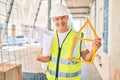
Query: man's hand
pixel 43 58
pixel 97 43
pixel 86 54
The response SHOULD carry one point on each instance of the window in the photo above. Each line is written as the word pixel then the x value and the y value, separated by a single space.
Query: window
pixel 105 36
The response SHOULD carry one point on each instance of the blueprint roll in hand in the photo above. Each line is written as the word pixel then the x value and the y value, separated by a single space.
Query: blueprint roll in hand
pixel 47 42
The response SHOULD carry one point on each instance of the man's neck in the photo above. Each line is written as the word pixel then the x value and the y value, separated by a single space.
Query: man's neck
pixel 62 31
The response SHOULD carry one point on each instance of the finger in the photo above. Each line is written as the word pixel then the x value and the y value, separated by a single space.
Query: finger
pixel 46 56
pixel 98 40
pixel 98 46
pixel 98 43
pixel 45 59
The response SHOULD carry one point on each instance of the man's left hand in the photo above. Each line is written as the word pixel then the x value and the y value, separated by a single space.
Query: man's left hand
pixel 97 43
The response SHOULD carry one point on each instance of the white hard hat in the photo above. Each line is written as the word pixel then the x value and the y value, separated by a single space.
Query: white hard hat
pixel 58 10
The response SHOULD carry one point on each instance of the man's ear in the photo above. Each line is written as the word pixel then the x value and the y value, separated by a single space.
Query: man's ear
pixel 67 16
pixel 53 19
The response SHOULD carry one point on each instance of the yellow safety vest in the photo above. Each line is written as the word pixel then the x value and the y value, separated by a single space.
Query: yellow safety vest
pixel 59 67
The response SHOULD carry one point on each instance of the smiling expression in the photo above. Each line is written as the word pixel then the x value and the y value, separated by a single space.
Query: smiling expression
pixel 61 23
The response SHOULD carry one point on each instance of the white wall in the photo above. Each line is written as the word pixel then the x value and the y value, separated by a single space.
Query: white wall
pixel 110 69
pixel 114 40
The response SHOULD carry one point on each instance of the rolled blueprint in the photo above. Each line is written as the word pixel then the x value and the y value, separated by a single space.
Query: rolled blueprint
pixel 44 66
pixel 47 42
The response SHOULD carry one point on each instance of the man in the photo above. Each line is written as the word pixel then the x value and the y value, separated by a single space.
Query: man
pixel 59 67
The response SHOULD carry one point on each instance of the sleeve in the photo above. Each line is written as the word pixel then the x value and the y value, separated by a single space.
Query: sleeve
pixel 40 32
pixel 83 46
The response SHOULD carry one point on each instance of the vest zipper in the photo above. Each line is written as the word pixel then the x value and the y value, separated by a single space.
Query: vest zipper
pixel 57 67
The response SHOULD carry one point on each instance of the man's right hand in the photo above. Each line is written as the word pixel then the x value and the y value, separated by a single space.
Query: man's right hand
pixel 42 58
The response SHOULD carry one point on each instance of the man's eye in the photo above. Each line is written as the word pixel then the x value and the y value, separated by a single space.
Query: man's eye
pixel 56 19
pixel 63 18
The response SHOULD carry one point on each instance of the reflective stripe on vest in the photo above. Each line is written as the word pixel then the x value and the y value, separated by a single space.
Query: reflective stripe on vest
pixel 67 75
pixel 63 61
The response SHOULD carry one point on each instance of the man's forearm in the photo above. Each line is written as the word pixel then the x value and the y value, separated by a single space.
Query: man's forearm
pixel 88 56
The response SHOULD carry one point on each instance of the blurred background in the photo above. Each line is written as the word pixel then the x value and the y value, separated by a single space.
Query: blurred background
pixel 22 23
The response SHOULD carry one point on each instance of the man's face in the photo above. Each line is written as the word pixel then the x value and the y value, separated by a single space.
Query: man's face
pixel 61 23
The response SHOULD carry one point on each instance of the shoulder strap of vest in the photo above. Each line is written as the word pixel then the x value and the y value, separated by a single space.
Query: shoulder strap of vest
pixel 82 35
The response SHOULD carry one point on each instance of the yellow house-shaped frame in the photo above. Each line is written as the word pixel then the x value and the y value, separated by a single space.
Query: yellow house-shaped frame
pixel 87 39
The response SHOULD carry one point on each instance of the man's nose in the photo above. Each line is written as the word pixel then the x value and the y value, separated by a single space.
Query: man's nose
pixel 60 20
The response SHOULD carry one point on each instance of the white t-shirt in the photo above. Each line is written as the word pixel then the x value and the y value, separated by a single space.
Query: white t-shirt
pixel 62 37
